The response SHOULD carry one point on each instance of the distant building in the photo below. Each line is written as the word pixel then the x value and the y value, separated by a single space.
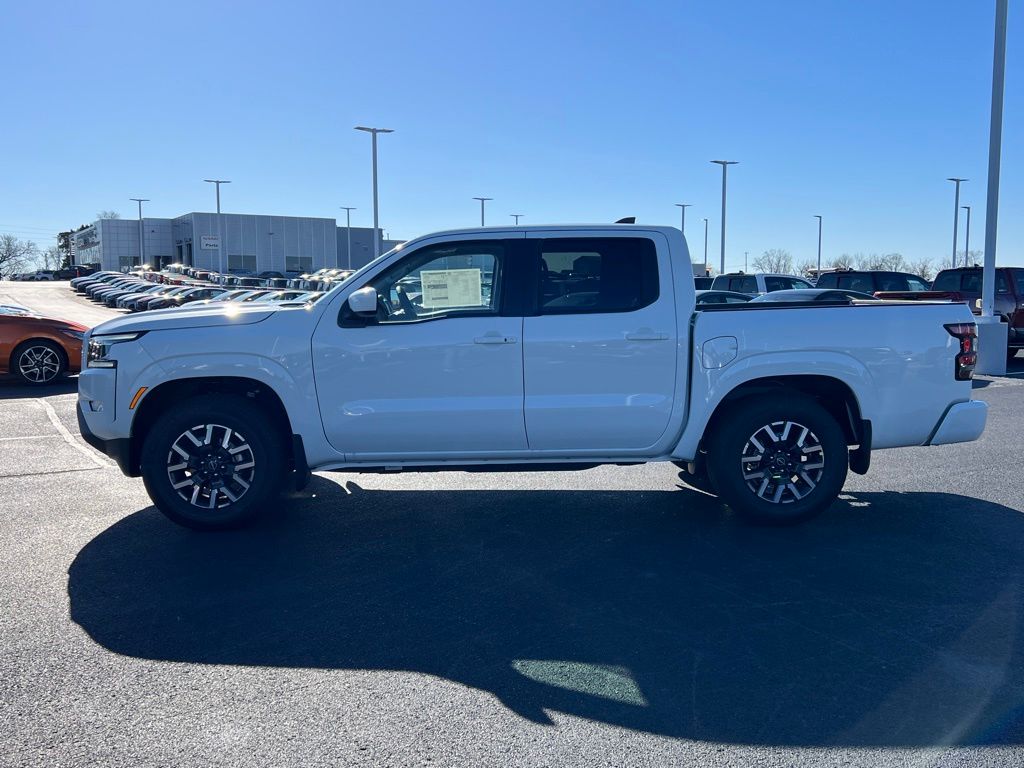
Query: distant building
pixel 252 243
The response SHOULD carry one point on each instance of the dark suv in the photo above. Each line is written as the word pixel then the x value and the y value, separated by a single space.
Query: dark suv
pixel 964 284
pixel 872 281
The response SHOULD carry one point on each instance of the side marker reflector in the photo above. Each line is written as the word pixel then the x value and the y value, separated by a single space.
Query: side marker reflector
pixel 138 396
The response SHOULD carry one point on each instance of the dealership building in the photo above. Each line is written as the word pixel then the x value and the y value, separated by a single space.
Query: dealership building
pixel 251 243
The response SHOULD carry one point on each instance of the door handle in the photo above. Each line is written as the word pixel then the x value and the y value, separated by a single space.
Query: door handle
pixel 495 339
pixel 646 335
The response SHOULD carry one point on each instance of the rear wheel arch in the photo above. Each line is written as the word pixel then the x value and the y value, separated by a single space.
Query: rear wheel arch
pixel 834 395
pixel 155 401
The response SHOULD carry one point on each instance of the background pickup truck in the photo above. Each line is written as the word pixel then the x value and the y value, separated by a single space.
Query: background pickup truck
pixel 964 285
pixel 557 347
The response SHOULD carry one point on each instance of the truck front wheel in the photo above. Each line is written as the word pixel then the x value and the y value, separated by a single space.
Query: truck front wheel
pixel 778 461
pixel 213 462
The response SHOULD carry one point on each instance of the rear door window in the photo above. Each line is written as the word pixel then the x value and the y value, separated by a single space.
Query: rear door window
pixel 828 280
pixel 612 274
pixel 862 283
pixel 947 281
pixel 971 282
pixel 745 284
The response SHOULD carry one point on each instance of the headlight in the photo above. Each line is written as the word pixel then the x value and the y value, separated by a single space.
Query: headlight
pixel 77 335
pixel 99 348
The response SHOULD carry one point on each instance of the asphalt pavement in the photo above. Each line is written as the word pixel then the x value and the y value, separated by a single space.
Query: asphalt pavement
pixel 604 617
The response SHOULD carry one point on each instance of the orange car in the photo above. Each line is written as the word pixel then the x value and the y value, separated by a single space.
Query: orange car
pixel 38 349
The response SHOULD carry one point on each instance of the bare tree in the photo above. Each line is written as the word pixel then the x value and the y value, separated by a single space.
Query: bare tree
pixel 108 215
pixel 806 268
pixel 15 254
pixel 774 260
pixel 975 257
pixel 892 262
pixel 924 268
pixel 846 261
pixel 51 258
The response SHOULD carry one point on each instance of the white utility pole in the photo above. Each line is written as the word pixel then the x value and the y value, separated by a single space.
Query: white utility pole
pixel 348 232
pixel 725 168
pixel 220 225
pixel 142 239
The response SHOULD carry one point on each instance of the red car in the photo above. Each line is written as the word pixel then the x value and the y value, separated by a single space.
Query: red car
pixel 38 350
pixel 964 284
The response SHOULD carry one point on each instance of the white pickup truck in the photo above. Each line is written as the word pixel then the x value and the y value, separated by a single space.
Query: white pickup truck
pixel 560 347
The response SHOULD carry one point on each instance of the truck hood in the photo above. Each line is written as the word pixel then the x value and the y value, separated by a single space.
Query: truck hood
pixel 185 317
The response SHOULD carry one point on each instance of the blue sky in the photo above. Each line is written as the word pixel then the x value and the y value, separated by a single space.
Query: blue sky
pixel 560 111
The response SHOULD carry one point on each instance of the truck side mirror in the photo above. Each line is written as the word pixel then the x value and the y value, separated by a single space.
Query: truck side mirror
pixel 364 301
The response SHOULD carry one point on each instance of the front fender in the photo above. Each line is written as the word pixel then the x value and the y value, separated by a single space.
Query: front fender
pixel 710 387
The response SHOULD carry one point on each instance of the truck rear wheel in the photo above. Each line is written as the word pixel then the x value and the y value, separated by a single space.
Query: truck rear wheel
pixel 778 461
pixel 213 462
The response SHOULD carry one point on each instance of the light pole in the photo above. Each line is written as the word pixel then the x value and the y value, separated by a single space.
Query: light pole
pixel 705 245
pixel 745 254
pixel 348 232
pixel 376 233
pixel 220 225
pixel 967 236
pixel 818 217
pixel 682 210
pixel 270 235
pixel 142 240
pixel 517 217
pixel 725 169
pixel 482 201
pixel 956 213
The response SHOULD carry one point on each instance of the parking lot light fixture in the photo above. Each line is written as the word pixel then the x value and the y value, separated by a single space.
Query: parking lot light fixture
pixel 682 211
pixel 142 240
pixel 517 217
pixel 725 169
pixel 482 200
pixel 956 213
pixel 376 226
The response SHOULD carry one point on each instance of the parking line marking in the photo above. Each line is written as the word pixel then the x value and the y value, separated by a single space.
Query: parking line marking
pixel 70 439
pixel 27 437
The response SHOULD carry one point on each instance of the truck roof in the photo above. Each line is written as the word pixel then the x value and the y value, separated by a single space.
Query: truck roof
pixel 556 228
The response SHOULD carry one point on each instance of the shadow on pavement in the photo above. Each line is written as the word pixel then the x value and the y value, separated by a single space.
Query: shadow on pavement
pixel 893 620
pixel 13 388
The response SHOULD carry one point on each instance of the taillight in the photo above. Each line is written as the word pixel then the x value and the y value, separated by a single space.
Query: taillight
pixel 967 357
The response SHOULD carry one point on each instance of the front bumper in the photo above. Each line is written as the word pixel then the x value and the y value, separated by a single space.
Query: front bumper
pixel 962 423
pixel 118 449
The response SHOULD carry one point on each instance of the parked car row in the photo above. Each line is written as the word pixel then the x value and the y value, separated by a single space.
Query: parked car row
pixel 960 285
pixel 321 280
pixel 137 292
pixel 78 270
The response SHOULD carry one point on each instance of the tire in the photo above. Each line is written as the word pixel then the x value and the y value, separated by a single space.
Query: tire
pixel 225 480
pixel 38 362
pixel 795 477
pixel 698 478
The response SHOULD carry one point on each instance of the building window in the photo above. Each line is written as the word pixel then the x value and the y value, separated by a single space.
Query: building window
pixel 302 264
pixel 241 262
